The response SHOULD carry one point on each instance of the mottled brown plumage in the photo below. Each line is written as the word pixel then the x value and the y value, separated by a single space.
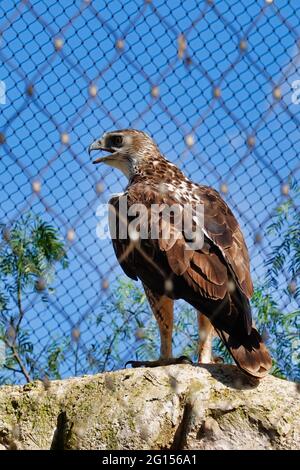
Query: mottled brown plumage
pixel 215 279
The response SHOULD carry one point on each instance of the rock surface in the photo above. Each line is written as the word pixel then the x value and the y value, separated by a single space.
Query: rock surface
pixel 174 407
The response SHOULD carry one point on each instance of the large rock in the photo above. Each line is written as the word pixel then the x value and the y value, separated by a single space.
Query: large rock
pixel 175 407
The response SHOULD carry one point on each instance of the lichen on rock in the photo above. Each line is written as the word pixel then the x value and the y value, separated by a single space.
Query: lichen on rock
pixel 176 407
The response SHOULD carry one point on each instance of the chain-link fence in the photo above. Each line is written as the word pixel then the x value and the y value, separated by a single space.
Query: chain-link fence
pixel 214 82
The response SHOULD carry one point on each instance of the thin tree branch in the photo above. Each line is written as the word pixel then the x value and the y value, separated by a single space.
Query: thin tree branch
pixel 21 311
pixel 20 362
pixel 12 369
pixel 18 359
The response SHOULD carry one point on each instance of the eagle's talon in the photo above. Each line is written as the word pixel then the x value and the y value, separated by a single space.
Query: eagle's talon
pixel 160 362
pixel 133 364
pixel 218 360
pixel 184 360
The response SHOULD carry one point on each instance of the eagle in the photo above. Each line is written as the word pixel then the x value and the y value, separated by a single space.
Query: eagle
pixel 213 277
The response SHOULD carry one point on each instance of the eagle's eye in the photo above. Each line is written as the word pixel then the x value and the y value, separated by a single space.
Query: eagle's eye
pixel 116 141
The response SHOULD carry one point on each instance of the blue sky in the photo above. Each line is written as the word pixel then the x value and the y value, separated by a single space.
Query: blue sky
pixel 148 34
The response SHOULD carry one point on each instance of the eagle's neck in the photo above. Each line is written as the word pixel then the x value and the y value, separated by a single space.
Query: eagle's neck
pixel 159 176
pixel 156 170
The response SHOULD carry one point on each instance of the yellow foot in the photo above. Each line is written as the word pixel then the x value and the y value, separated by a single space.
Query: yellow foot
pixel 160 362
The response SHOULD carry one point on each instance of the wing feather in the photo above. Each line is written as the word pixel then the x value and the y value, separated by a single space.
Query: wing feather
pixel 222 229
pixel 122 249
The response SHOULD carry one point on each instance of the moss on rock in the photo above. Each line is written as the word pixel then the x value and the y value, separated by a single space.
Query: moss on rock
pixel 183 406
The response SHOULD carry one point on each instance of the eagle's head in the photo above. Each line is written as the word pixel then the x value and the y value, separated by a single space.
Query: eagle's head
pixel 128 148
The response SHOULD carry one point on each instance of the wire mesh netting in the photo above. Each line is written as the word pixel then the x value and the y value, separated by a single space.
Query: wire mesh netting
pixel 214 82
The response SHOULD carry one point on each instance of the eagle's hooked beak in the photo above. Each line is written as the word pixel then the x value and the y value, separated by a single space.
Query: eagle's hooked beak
pixel 98 145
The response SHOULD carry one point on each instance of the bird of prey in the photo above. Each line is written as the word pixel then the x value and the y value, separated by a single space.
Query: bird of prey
pixel 215 278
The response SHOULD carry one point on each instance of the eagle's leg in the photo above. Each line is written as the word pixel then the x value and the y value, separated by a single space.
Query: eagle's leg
pixel 162 308
pixel 206 334
pixel 205 329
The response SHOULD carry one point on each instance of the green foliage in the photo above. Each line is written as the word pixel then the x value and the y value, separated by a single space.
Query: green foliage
pixel 282 331
pixel 276 298
pixel 55 355
pixel 29 251
pixel 284 234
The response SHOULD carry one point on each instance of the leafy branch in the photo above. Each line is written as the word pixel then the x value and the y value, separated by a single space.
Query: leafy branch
pixel 29 251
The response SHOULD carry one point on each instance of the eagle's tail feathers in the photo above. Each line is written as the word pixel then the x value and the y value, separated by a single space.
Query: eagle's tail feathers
pixel 250 354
